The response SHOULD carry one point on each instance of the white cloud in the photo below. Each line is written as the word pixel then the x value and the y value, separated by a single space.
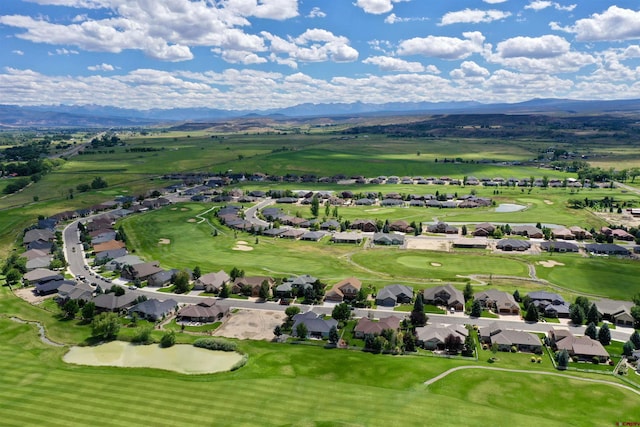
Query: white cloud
pixel 316 13
pixel 614 24
pixel 469 70
pixel 443 47
pixel 387 63
pixel 314 45
pixel 539 5
pixel 494 1
pixel 377 7
pixel 392 18
pixel 533 47
pixel 101 67
pixel 64 52
pixel 17 52
pixel 469 16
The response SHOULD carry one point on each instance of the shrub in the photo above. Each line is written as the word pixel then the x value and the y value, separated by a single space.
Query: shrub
pixel 215 344
pixel 539 360
pixel 514 349
pixel 533 359
pixel 485 347
pixel 595 360
pixel 240 363
pixel 142 335
pixel 168 339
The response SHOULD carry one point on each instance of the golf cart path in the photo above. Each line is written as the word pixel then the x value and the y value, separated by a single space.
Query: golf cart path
pixel 522 371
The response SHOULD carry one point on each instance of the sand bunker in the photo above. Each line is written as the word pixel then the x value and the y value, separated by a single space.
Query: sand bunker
pixel 244 248
pixel 191 220
pixel 164 241
pixel 436 264
pixel 183 209
pixel 174 209
pixel 241 242
pixel 548 202
pixel 550 263
pixel 185 359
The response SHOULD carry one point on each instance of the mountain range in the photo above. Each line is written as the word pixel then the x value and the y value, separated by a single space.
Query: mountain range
pixel 96 116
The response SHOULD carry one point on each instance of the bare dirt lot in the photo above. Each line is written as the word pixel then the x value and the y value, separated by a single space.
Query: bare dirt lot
pixel 428 244
pixel 29 296
pixel 251 324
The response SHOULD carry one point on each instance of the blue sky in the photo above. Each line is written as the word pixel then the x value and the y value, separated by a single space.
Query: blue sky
pixel 260 54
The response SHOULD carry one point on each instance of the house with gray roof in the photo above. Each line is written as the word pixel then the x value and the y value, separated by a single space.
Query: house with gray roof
pixel 40 274
pixel 36 234
pixel 46 287
pixel 433 336
pixel 153 309
pixel 313 236
pixel 206 311
pixel 141 271
pixel 212 282
pixel 317 326
pixel 498 301
pixel 161 278
pixel 111 302
pixel 508 338
pixel 112 254
pixel 388 239
pixel 444 295
pixel 582 347
pixel 616 311
pixel 509 245
pixel 391 295
pixel 39 262
pixel 555 246
pixel 552 304
pixel 528 231
pixel 120 262
pixel 606 249
pixel 76 291
pixel 348 237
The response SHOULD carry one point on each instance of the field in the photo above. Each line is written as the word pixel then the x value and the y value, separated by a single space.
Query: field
pixel 286 384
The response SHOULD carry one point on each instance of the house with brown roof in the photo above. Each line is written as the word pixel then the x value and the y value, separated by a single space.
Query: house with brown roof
pixel 368 326
pixel 580 233
pixel 484 229
pixel 141 271
pixel 253 282
pixel 113 302
pixel 434 336
pixel 346 289
pixel 108 246
pixel 206 311
pixel 38 234
pixel 620 234
pixel 615 311
pixel 582 347
pixel 401 226
pixel 562 234
pixel 505 339
pixel 366 225
pixel 527 230
pixel 442 227
pixel 445 295
pixel 391 295
pixel 498 301
pixel 347 237
pixel 212 282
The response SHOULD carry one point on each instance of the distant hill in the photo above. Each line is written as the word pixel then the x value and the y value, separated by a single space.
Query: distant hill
pixel 96 116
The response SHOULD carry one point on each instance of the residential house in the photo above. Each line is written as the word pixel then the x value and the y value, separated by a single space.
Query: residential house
pixel 509 245
pixel 498 301
pixel 471 243
pixel 40 262
pixel 330 224
pixel 606 249
pixel 34 253
pixel 141 271
pixel 206 311
pixel 582 347
pixel 552 304
pixel 554 246
pixel 484 229
pixel 212 282
pixel 615 311
pixel 313 236
pixel 121 262
pixel 433 336
pixel 253 282
pixel 75 291
pixel 113 254
pixel 401 226
pixel 346 289
pixel 391 295
pixel 388 239
pixel 36 234
pixel 562 234
pixel 293 234
pixel 442 227
pixel 108 246
pixel 580 233
pixel 51 285
pixel 153 309
pixel 348 237
pixel 620 234
pixel 528 231
pixel 111 302
pixel 161 278
pixel 366 326
pixel 40 274
pixel 317 326
pixel 505 339
pixel 445 295
pixel 366 225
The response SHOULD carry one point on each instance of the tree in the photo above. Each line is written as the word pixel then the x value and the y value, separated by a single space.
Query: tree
pixel 576 314
pixel 105 326
pixel 452 343
pixel 181 282
pixel 333 335
pixel 635 339
pixel 627 348
pixel 635 312
pixel 264 290
pixel 13 277
pixel 291 311
pixel 301 331
pixel 315 206
pixel 592 315
pixel 417 316
pixel 70 308
pixel 476 309
pixel 197 272
pixel 468 292
pixel 562 358
pixel 532 313
pixel 583 302
pixel 168 339
pixel 98 183
pixel 143 334
pixel 341 312
pixel 604 335
pixel 591 331
pixel 409 341
pixel 224 291
pixel 463 230
pixel 469 346
pixel 88 311
pixel 516 295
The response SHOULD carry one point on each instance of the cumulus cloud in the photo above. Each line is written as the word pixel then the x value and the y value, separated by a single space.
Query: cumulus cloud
pixel 614 24
pixel 538 5
pixel 469 70
pixel 450 48
pixel 17 52
pixel 387 63
pixel 163 29
pixel 533 47
pixel 494 1
pixel 475 16
pixel 377 7
pixel 101 67
pixel 316 13
pixel 314 45
pixel 392 18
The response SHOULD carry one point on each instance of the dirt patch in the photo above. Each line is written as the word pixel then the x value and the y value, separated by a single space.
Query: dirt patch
pixel 436 264
pixel 174 209
pixel 243 248
pixel 191 220
pixel 29 296
pixel 164 241
pixel 624 218
pixel 427 243
pixel 183 209
pixel 548 202
pixel 550 263
pixel 251 324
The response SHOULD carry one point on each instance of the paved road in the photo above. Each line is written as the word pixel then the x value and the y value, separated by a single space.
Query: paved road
pixel 251 214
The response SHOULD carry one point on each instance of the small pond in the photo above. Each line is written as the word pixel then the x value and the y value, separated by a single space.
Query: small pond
pixel 509 207
pixel 182 358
